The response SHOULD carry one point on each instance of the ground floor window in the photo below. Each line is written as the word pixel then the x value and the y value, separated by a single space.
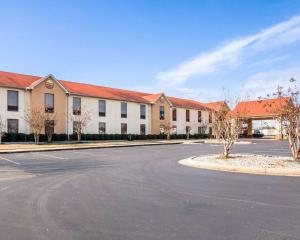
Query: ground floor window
pixel 49 127
pixel 12 125
pixel 143 129
pixel 102 128
pixel 201 130
pixel 76 126
pixel 187 129
pixel 210 130
pixel 162 129
pixel 123 128
pixel 174 129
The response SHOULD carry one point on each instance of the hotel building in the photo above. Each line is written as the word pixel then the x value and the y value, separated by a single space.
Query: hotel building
pixel 112 111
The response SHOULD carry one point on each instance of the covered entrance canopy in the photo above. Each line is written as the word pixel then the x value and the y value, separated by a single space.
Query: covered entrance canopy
pixel 266 109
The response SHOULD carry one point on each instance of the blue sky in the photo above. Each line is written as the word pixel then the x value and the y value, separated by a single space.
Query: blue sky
pixel 185 48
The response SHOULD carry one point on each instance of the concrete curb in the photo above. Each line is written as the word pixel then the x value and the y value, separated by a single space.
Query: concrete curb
pixel 258 171
pixel 85 147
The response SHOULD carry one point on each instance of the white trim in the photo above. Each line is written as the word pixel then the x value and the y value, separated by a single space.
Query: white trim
pixel 36 83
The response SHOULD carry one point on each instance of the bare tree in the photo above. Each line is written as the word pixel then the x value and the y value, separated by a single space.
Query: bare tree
pixel 188 132
pixel 227 126
pixel 286 110
pixel 167 129
pixel 35 117
pixel 80 121
pixel 2 128
pixel 50 123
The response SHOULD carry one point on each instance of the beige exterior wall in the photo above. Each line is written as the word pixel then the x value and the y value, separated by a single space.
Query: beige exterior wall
pixel 37 100
pixel 155 121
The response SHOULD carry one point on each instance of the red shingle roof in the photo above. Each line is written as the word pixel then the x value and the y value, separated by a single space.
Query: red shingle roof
pixel 16 80
pixel 260 108
pixel 186 103
pixel 22 81
pixel 104 92
pixel 216 105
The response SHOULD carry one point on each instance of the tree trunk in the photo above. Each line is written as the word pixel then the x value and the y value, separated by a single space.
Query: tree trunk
pixel 0 138
pixel 168 136
pixel 226 152
pixel 78 137
pixel 36 138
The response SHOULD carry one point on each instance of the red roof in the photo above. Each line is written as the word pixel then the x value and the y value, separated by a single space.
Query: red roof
pixel 260 108
pixel 186 103
pixel 153 97
pixel 15 80
pixel 22 81
pixel 216 105
pixel 104 92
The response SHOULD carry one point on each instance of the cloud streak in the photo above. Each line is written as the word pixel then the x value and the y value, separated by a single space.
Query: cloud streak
pixel 230 53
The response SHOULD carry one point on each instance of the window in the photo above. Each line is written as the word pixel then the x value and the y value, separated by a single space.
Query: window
pixel 143 129
pixel 12 100
pixel 143 111
pixel 102 108
pixel 162 129
pixel 123 110
pixel 49 127
pixel 210 117
pixel 187 129
pixel 102 128
pixel 123 128
pixel 49 102
pixel 174 129
pixel 210 130
pixel 76 106
pixel 199 116
pixel 161 112
pixel 12 125
pixel 187 115
pixel 76 127
pixel 174 114
pixel 201 130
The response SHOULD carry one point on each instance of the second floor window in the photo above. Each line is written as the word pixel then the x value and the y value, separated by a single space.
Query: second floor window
pixel 12 100
pixel 49 102
pixel 76 106
pixel 143 111
pixel 187 115
pixel 161 112
pixel 123 110
pixel 199 116
pixel 102 108
pixel 210 117
pixel 174 114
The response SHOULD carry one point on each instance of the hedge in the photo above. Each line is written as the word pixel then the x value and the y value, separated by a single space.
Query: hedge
pixel 21 137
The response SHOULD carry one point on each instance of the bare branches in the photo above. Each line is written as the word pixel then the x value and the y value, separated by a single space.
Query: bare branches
pixel 227 126
pixel 35 117
pixel 286 110
pixel 80 121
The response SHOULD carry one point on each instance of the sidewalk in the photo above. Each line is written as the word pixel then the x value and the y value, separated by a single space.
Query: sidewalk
pixel 30 147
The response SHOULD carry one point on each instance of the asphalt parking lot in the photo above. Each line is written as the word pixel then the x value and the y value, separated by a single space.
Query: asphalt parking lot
pixel 143 193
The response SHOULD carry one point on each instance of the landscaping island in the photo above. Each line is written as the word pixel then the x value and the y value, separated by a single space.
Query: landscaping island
pixel 246 163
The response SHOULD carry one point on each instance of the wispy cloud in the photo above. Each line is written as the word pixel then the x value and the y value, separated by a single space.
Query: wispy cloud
pixel 264 83
pixel 230 53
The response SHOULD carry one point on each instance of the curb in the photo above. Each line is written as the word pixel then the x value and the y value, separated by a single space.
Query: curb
pixel 84 147
pixel 283 172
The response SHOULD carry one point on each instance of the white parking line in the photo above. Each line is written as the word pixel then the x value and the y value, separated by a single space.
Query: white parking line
pixel 8 160
pixel 48 155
